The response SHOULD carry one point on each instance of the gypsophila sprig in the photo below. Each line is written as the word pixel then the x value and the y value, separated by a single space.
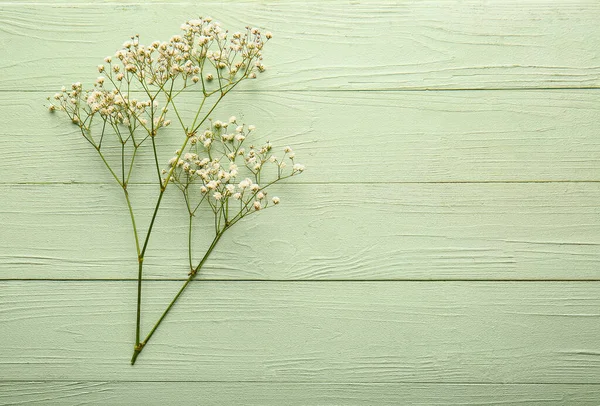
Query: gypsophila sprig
pixel 136 97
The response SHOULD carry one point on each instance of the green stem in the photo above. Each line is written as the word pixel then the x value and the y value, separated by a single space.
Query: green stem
pixel 135 233
pixel 140 345
pixel 190 242
pixel 138 318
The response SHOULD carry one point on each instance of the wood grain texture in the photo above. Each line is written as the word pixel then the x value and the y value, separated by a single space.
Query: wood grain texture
pixel 320 232
pixel 327 45
pixel 477 136
pixel 337 332
pixel 394 271
pixel 297 394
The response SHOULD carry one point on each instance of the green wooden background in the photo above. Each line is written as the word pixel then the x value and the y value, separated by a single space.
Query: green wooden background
pixel 442 247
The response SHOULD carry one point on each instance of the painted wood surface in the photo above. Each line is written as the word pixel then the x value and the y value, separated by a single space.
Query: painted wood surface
pixel 337 332
pixel 329 45
pixel 320 232
pixel 441 249
pixel 66 393
pixel 470 136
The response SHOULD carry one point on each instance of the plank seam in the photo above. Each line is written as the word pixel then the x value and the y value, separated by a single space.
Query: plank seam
pixel 400 280
pixel 302 382
pixel 381 90
pixel 442 182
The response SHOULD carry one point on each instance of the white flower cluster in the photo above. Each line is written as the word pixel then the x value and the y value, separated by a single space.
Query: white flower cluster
pixel 220 167
pixel 203 53
pixel 112 105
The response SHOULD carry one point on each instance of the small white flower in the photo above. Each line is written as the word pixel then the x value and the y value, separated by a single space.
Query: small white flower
pixel 245 183
pixel 298 167
pixel 251 127
pixel 260 195
pixel 217 195
pixel 275 200
pixel 232 119
pixel 257 205
pixel 237 196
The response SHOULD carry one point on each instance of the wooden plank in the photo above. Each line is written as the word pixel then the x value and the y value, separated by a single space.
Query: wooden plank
pixel 320 232
pixel 292 394
pixel 350 136
pixel 337 332
pixel 327 45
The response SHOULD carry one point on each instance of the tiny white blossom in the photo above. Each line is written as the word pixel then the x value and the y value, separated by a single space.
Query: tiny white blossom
pixel 275 200
pixel 298 167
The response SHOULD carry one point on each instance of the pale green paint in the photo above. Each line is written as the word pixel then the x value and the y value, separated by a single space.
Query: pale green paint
pixel 329 45
pixel 437 136
pixel 297 394
pixel 324 231
pixel 388 196
pixel 312 332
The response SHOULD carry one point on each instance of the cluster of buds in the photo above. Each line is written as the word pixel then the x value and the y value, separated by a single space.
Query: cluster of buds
pixel 221 168
pixel 203 53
